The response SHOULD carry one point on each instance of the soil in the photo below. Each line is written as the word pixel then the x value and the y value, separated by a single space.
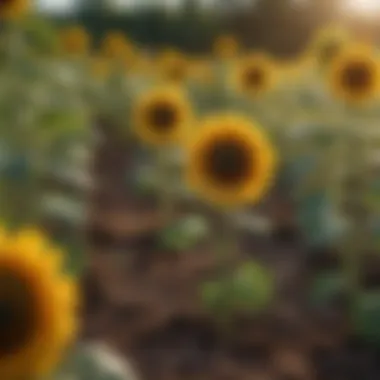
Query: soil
pixel 145 301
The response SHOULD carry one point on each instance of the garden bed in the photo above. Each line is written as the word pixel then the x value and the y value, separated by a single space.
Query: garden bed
pixel 145 302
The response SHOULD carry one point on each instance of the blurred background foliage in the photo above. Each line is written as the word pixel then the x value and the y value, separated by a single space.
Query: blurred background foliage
pixel 281 27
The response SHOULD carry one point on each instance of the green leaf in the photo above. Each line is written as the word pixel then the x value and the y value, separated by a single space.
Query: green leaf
pixel 252 287
pixel 75 261
pixel 55 124
pixel 367 317
pixel 211 295
pixel 325 287
pixel 96 362
pixel 41 35
pixel 186 233
pixel 144 180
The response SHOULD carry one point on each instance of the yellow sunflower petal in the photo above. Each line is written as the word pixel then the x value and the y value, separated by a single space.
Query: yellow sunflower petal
pixel 38 309
pixel 226 47
pixel 162 116
pixel 253 75
pixel 230 161
pixel 354 75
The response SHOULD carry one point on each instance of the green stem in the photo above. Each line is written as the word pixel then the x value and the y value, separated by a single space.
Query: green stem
pixel 226 248
pixel 357 238
pixel 24 203
pixel 166 200
pixel 334 167
pixel 227 244
pixel 20 197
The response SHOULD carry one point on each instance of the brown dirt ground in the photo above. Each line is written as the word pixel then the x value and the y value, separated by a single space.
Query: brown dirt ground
pixel 145 302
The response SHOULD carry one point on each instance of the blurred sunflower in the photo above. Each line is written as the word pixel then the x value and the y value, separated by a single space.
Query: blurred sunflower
pixel 161 116
pixel 254 75
pixel 354 75
pixel 230 161
pixel 173 66
pixel 116 45
pixel 37 306
pixel 327 44
pixel 13 8
pixel 226 47
pixel 74 40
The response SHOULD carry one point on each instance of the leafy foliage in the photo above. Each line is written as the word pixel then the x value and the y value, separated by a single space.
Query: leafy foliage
pixel 185 234
pixel 249 290
pixel 367 315
pixel 326 287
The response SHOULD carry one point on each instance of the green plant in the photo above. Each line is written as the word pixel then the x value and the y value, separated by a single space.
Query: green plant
pixel 326 287
pixel 366 317
pixel 95 362
pixel 249 290
pixel 185 233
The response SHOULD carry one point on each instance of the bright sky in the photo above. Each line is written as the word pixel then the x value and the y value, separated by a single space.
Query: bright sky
pixel 55 5
pixel 64 5
pixel 67 5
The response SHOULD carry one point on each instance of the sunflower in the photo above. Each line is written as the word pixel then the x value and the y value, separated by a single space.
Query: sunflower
pixel 354 75
pixel 116 45
pixel 327 44
pixel 13 8
pixel 162 115
pixel 254 75
pixel 74 40
pixel 37 306
pixel 226 47
pixel 230 160
pixel 173 66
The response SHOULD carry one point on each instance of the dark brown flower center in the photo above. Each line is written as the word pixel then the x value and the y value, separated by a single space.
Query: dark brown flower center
pixel 253 78
pixel 228 162
pixel 357 77
pixel 162 117
pixel 17 316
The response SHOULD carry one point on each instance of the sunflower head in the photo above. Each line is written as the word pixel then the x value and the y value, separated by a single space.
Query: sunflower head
pixel 231 161
pixel 74 40
pixel 328 43
pixel 37 306
pixel 116 45
pixel 173 66
pixel 355 75
pixel 13 8
pixel 254 75
pixel 161 116
pixel 226 47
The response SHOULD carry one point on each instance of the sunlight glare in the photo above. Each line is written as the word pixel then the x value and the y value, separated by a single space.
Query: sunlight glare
pixel 364 7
